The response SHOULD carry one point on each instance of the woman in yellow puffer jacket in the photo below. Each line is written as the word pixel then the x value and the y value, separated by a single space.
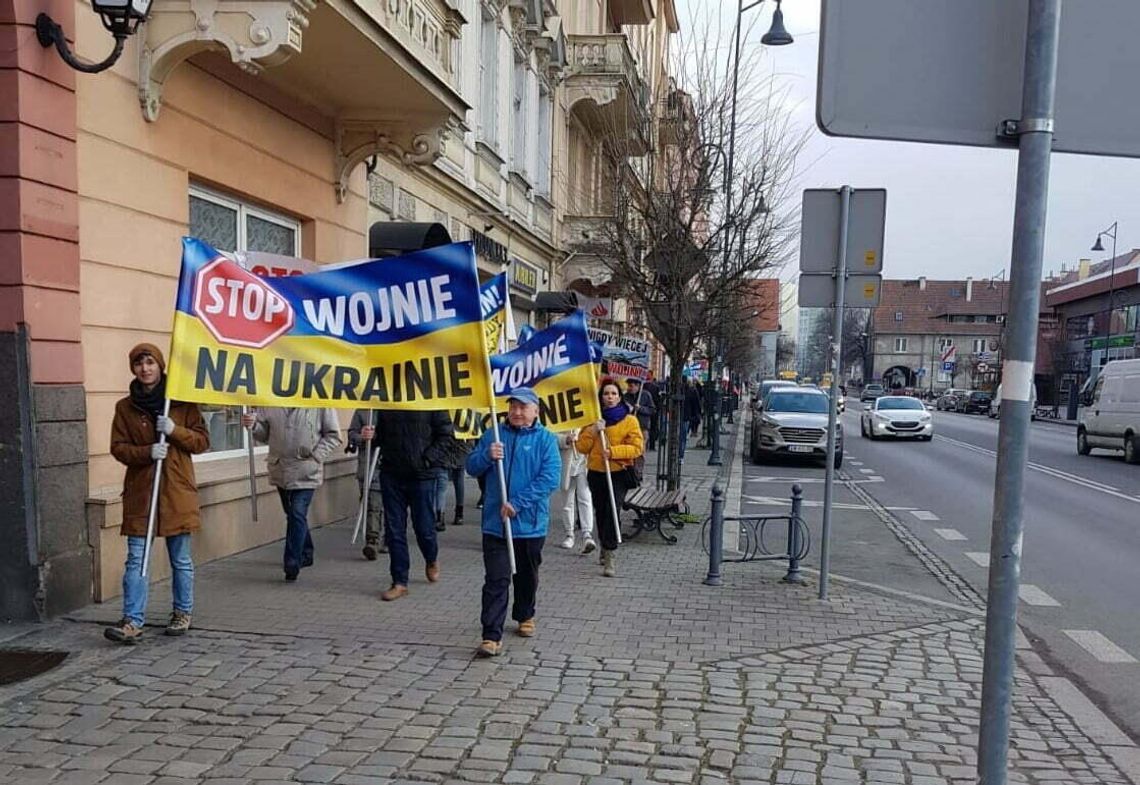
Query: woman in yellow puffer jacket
pixel 625 445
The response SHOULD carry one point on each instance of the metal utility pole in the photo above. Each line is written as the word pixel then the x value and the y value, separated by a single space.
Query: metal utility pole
pixel 1035 141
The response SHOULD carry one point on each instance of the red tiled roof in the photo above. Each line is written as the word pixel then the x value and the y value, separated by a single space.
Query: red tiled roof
pixel 926 311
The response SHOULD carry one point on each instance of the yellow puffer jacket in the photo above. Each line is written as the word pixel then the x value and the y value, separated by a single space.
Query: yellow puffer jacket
pixel 625 442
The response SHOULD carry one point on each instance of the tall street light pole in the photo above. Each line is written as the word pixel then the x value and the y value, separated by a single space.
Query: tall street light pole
pixel 1097 246
pixel 777 35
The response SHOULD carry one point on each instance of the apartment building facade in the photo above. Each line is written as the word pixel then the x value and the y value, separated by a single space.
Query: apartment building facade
pixel 287 126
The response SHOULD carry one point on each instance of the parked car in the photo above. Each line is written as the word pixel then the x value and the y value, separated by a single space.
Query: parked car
pixel 765 387
pixel 794 422
pixel 974 402
pixel 1110 417
pixel 896 416
pixel 948 401
pixel 995 403
pixel 871 392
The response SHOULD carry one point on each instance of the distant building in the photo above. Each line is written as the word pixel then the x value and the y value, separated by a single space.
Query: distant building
pixel 932 335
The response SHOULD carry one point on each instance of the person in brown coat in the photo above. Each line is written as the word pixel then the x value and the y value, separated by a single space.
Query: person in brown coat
pixel 135 432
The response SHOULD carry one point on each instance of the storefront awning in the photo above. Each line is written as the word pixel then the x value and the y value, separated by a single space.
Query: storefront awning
pixel 559 302
pixel 392 238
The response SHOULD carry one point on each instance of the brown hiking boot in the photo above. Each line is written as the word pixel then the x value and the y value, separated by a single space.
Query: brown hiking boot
pixel 431 570
pixel 124 632
pixel 527 628
pixel 179 623
pixel 394 592
pixel 489 649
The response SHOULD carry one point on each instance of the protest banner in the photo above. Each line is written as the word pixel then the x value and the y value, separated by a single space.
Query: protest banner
pixel 498 316
pixel 556 364
pixel 401 333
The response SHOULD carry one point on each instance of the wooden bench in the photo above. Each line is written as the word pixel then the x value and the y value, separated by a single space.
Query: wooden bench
pixel 652 509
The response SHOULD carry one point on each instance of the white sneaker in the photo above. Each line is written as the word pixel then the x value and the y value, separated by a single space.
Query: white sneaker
pixel 588 546
pixel 568 543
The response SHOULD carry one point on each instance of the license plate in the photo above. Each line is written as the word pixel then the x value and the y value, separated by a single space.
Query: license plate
pixel 800 448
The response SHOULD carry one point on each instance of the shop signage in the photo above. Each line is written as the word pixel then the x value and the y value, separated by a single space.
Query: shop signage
pixel 489 249
pixel 601 308
pixel 1115 342
pixel 524 277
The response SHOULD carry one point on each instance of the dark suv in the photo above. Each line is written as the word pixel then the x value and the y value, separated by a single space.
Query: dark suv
pixel 977 402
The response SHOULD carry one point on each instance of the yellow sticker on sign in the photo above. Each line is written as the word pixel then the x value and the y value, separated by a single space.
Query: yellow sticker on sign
pixel 869 291
pixel 869 258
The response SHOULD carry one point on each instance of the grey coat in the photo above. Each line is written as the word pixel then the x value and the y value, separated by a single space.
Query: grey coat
pixel 300 441
pixel 359 420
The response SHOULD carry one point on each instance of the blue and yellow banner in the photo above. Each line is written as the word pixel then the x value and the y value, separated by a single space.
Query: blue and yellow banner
pixel 498 317
pixel 402 333
pixel 556 364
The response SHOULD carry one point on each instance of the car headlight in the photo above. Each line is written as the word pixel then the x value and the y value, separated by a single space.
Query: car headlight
pixel 924 418
pixel 882 417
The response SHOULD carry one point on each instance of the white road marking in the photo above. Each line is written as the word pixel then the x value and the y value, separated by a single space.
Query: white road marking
pixel 1019 639
pixel 776 501
pixel 924 515
pixel 952 535
pixel 875 478
pixel 980 559
pixel 854 463
pixel 1099 646
pixel 1033 595
pixel 810 480
pixel 1049 470
pixel 867 471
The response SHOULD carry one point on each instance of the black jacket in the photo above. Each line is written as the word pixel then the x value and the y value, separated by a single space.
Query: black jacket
pixel 692 404
pixel 412 443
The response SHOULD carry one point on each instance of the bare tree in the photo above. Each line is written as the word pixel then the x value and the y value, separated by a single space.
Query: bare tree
pixel 675 240
pixel 785 352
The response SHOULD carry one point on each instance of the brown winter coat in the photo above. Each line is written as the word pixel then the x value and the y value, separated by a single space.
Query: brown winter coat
pixel 132 434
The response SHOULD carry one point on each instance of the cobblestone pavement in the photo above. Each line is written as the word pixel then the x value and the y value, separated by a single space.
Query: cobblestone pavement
pixel 648 678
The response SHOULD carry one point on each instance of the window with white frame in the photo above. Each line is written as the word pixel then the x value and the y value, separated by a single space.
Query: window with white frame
pixel 232 225
pixel 900 344
pixel 488 78
pixel 979 345
pixel 945 343
pixel 545 141
pixel 519 114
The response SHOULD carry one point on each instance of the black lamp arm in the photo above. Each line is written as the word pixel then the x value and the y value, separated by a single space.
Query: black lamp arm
pixel 49 33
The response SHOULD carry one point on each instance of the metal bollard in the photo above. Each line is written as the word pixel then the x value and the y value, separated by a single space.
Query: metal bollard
pixel 716 535
pixel 794 575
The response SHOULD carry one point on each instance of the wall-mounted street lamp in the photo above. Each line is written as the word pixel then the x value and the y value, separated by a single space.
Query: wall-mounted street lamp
pixel 120 17
pixel 1098 246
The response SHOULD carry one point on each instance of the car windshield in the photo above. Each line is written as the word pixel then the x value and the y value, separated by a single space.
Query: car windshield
pixel 806 402
pixel 770 385
pixel 875 387
pixel 980 396
pixel 899 403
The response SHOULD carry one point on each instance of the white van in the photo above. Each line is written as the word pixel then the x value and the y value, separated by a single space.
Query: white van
pixel 995 403
pixel 1110 416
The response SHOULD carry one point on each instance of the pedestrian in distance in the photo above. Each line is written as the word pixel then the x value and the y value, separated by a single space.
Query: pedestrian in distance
pixel 691 414
pixel 574 495
pixel 533 469
pixel 300 441
pixel 135 431
pixel 361 433
pixel 412 446
pixel 621 446
pixel 453 457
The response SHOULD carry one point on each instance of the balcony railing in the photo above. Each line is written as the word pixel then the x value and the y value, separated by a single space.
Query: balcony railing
pixel 605 87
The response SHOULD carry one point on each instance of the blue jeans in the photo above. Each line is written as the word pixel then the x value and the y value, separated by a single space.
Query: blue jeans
pixel 399 494
pixel 298 541
pixel 136 588
pixel 684 440
pixel 442 478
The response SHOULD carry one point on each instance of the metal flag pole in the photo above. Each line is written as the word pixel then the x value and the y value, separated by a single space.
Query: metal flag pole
pixel 833 398
pixel 152 515
pixel 610 486
pixel 252 470
pixel 1035 143
pixel 502 485
pixel 369 470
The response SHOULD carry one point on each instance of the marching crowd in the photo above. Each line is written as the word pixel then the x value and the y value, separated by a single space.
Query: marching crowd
pixel 415 457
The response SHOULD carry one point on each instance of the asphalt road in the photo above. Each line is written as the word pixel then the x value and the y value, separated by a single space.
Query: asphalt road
pixel 1081 556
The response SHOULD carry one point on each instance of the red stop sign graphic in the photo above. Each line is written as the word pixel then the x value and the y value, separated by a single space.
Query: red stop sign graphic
pixel 238 307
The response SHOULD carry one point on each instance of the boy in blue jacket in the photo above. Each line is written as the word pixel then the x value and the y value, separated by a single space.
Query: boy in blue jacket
pixel 533 469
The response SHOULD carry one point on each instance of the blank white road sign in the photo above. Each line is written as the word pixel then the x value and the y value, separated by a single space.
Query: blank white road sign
pixel 819 230
pixel 818 291
pixel 950 71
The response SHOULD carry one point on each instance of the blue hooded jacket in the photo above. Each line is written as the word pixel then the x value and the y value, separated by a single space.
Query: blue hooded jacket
pixel 533 467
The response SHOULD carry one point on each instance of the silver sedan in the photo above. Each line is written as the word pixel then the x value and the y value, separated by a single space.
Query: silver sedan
pixel 898 417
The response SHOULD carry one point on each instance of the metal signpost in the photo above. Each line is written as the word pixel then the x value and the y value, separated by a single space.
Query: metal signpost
pixel 975 72
pixel 836 227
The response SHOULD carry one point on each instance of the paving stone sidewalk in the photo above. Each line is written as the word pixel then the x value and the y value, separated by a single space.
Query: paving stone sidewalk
pixel 651 677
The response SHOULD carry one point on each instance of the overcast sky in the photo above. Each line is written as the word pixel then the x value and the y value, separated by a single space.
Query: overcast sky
pixel 949 208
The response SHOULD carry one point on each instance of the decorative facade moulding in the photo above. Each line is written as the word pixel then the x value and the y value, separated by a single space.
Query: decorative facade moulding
pixel 256 35
pixel 359 140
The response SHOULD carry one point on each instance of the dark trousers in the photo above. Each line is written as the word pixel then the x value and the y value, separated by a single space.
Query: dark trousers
pixel 497 581
pixel 400 493
pixel 298 541
pixel 604 520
